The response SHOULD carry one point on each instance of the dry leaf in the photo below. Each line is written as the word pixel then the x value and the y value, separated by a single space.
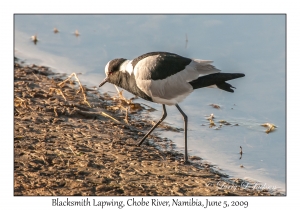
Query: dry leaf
pixel 216 106
pixel 271 127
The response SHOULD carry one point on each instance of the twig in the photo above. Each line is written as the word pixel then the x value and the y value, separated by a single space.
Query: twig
pixel 72 150
pixel 61 93
pixel 54 109
pixel 107 115
pixel 50 191
pixel 36 76
pixel 20 99
pixel 58 91
pixel 126 116
pixel 81 87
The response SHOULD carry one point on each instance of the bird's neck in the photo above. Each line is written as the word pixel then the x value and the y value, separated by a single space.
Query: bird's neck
pixel 127 81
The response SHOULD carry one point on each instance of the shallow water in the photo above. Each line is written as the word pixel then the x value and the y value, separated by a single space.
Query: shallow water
pixel 250 44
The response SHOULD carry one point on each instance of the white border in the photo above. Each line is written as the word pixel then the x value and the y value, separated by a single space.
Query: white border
pixel 8 200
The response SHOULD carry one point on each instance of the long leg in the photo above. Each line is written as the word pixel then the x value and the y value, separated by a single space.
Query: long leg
pixel 162 119
pixel 185 118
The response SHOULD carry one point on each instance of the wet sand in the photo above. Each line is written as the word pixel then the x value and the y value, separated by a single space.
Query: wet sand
pixel 72 141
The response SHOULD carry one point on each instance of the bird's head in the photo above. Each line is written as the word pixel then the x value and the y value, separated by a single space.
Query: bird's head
pixel 111 68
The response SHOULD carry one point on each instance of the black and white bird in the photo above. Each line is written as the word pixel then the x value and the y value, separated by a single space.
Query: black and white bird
pixel 166 78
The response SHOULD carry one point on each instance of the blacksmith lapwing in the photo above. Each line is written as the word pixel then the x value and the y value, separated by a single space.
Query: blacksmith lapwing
pixel 166 78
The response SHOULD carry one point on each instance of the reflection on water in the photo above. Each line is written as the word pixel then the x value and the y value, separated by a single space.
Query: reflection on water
pixel 250 44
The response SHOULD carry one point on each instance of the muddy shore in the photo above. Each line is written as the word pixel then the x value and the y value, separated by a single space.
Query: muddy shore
pixel 72 140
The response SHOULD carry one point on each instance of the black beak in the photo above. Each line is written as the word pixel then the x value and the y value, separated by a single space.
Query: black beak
pixel 103 82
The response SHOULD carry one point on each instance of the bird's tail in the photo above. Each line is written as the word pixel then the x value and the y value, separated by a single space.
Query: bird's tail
pixel 218 79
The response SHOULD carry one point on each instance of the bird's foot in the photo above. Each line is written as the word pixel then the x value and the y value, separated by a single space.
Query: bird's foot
pixel 186 162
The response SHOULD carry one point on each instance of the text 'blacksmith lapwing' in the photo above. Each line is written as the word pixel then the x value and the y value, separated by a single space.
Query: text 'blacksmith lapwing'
pixel 166 78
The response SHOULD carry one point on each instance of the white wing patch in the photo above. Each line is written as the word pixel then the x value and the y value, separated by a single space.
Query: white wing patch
pixel 126 66
pixel 143 68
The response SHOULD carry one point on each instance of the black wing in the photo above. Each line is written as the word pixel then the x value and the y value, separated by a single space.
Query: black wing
pixel 167 64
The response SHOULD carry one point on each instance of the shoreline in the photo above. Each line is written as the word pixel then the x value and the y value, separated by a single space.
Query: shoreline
pixel 66 144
